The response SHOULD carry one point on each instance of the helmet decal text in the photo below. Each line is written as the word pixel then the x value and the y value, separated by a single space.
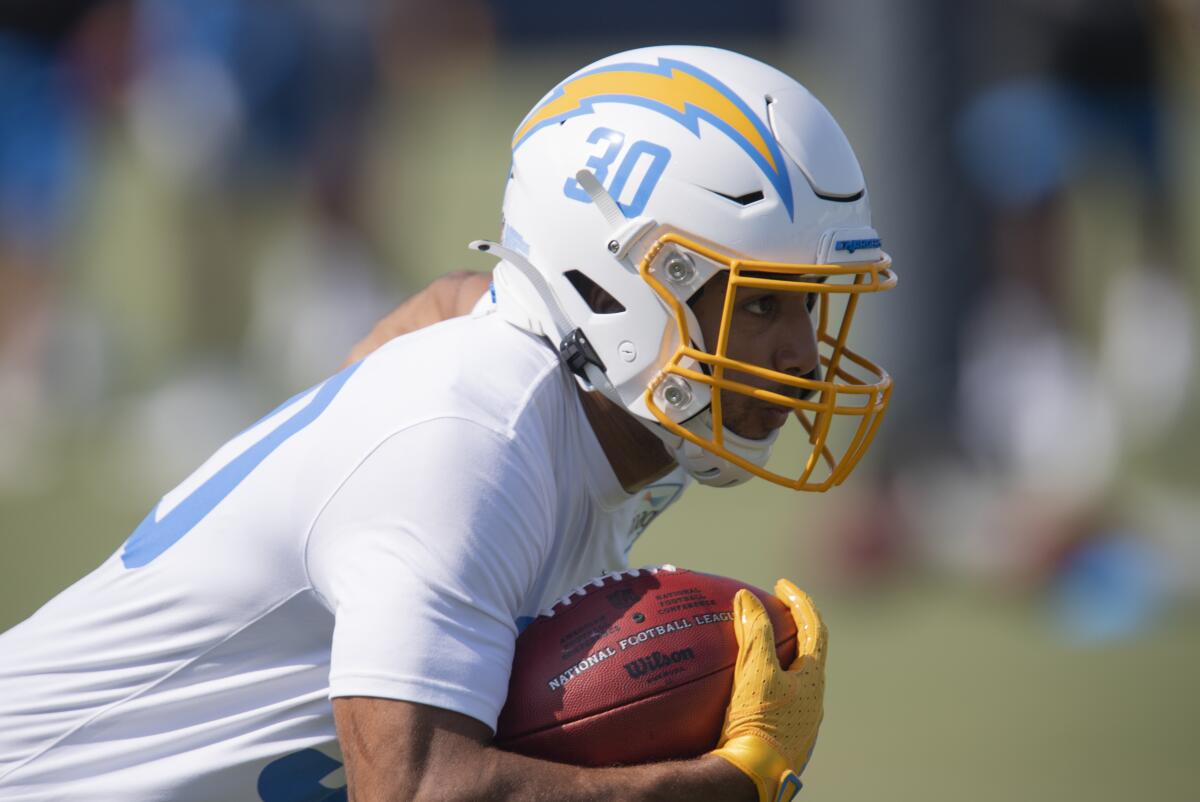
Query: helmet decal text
pixel 852 245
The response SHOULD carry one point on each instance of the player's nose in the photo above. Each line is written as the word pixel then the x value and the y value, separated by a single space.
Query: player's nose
pixel 796 351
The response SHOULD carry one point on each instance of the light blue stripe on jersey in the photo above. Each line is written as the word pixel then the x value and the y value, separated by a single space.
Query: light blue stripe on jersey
pixel 153 537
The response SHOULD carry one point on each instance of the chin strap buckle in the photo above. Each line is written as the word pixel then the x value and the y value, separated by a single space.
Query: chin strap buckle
pixel 578 353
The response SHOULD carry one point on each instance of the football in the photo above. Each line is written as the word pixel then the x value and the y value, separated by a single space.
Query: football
pixel 633 667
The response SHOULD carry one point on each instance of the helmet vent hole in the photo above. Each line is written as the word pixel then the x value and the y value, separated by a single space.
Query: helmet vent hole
pixel 598 299
pixel 742 200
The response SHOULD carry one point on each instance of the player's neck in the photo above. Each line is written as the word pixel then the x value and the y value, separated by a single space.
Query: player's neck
pixel 637 457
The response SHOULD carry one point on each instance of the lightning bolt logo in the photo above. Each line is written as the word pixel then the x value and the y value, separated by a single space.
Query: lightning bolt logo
pixel 675 89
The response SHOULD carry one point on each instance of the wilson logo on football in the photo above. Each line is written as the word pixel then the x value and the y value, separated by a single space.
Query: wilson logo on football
pixel 653 662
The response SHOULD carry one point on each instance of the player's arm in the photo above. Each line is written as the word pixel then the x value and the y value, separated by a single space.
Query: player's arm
pixel 402 751
pixel 451 295
pixel 388 556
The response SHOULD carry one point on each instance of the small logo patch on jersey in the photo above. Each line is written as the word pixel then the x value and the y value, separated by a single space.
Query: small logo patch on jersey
pixel 654 499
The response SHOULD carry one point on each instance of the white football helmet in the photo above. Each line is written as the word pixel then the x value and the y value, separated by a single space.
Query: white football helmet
pixel 641 177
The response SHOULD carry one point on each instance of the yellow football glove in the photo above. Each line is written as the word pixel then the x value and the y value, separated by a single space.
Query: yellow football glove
pixel 773 717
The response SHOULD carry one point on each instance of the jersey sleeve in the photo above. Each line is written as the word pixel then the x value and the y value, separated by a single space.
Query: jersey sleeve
pixel 425 555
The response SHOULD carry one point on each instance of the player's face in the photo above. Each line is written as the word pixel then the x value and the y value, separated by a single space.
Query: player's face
pixel 769 329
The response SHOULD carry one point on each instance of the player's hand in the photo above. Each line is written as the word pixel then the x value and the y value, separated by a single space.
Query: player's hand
pixel 773 717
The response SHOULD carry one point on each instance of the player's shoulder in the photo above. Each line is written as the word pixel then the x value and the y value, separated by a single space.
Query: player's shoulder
pixel 478 368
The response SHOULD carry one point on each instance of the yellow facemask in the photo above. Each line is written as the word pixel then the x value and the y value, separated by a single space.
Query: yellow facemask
pixel 850 388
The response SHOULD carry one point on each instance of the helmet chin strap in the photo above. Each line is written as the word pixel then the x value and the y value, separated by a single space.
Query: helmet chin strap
pixel 572 345
pixel 570 342
pixel 558 318
pixel 625 231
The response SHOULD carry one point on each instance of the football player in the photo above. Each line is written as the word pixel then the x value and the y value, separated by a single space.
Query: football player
pixel 686 236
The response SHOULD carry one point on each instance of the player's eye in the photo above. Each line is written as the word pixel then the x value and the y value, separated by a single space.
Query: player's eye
pixel 763 305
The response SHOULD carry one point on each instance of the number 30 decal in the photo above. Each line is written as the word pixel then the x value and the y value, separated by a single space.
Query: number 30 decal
pixel 613 142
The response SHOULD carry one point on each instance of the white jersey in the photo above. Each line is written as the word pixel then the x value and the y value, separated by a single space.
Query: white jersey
pixel 386 533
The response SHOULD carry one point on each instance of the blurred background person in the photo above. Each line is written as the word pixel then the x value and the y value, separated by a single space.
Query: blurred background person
pixel 1072 98
pixel 1074 354
pixel 61 65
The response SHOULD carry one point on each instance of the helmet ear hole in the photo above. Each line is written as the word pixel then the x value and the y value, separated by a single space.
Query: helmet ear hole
pixel 598 299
